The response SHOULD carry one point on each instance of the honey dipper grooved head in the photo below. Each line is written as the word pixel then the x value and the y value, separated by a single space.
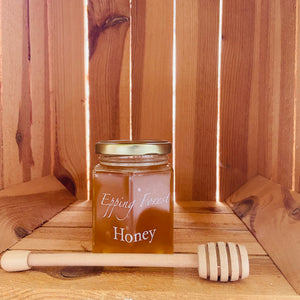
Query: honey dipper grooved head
pixel 223 261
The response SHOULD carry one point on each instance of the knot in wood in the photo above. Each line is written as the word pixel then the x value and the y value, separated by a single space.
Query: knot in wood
pixel 114 20
pixel 243 207
pixel 20 232
pixel 19 137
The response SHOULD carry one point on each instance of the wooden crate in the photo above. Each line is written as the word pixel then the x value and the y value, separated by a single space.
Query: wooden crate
pixel 218 78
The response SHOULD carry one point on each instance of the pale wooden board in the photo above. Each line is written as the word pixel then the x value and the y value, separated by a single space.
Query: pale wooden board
pixel 26 144
pixel 25 206
pixel 1 117
pixel 287 93
pixel 79 214
pixel 236 75
pixel 185 206
pixel 39 88
pixel 67 79
pixel 297 107
pixel 276 33
pixel 257 93
pixel 16 101
pixel 208 220
pixel 265 282
pixel 202 206
pixel 80 239
pixel 71 218
pixel 271 212
pixel 108 71
pixel 187 240
pixel 196 99
pixel 152 37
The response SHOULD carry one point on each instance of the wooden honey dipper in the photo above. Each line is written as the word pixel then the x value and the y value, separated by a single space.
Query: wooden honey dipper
pixel 215 261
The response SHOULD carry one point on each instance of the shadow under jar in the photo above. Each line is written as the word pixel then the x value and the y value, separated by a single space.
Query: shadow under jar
pixel 132 197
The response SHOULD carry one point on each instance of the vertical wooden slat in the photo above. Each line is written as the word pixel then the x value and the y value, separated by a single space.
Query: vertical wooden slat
pixel 108 70
pixel 236 73
pixel 39 87
pixel 66 65
pixel 268 88
pixel 287 93
pixel 297 106
pixel 196 99
pixel 272 91
pixel 1 103
pixel 152 38
pixel 258 92
pixel 16 102
pixel 25 92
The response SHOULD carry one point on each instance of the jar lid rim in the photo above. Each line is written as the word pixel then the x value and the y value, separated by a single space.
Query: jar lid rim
pixel 133 147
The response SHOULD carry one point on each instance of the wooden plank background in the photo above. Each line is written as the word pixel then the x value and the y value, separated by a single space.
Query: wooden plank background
pixel 297 106
pixel 276 35
pixel 1 106
pixel 236 72
pixel 197 34
pixel 152 69
pixel 16 101
pixel 42 128
pixel 258 93
pixel 66 55
pixel 43 93
pixel 109 60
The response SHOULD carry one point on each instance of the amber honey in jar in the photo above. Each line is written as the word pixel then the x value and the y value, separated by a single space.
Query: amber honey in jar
pixel 132 197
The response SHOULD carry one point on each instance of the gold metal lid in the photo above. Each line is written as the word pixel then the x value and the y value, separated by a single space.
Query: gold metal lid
pixel 135 147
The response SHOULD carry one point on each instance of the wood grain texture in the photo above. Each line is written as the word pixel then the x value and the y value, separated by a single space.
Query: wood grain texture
pixel 71 218
pixel 1 107
pixel 152 38
pixel 26 129
pixel 108 71
pixel 297 105
pixel 202 207
pixel 258 74
pixel 287 94
pixel 276 90
pixel 271 212
pixel 67 81
pixel 16 99
pixel 186 240
pixel 265 282
pixel 196 99
pixel 39 86
pixel 236 70
pixel 28 205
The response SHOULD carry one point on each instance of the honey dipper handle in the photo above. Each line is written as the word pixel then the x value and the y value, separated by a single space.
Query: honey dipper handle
pixel 215 261
pixel 19 260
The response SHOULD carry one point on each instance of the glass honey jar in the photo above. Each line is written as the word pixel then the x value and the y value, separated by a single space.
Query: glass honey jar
pixel 132 197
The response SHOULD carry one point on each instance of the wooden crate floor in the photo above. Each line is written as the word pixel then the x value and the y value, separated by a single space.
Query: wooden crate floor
pixel 195 223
